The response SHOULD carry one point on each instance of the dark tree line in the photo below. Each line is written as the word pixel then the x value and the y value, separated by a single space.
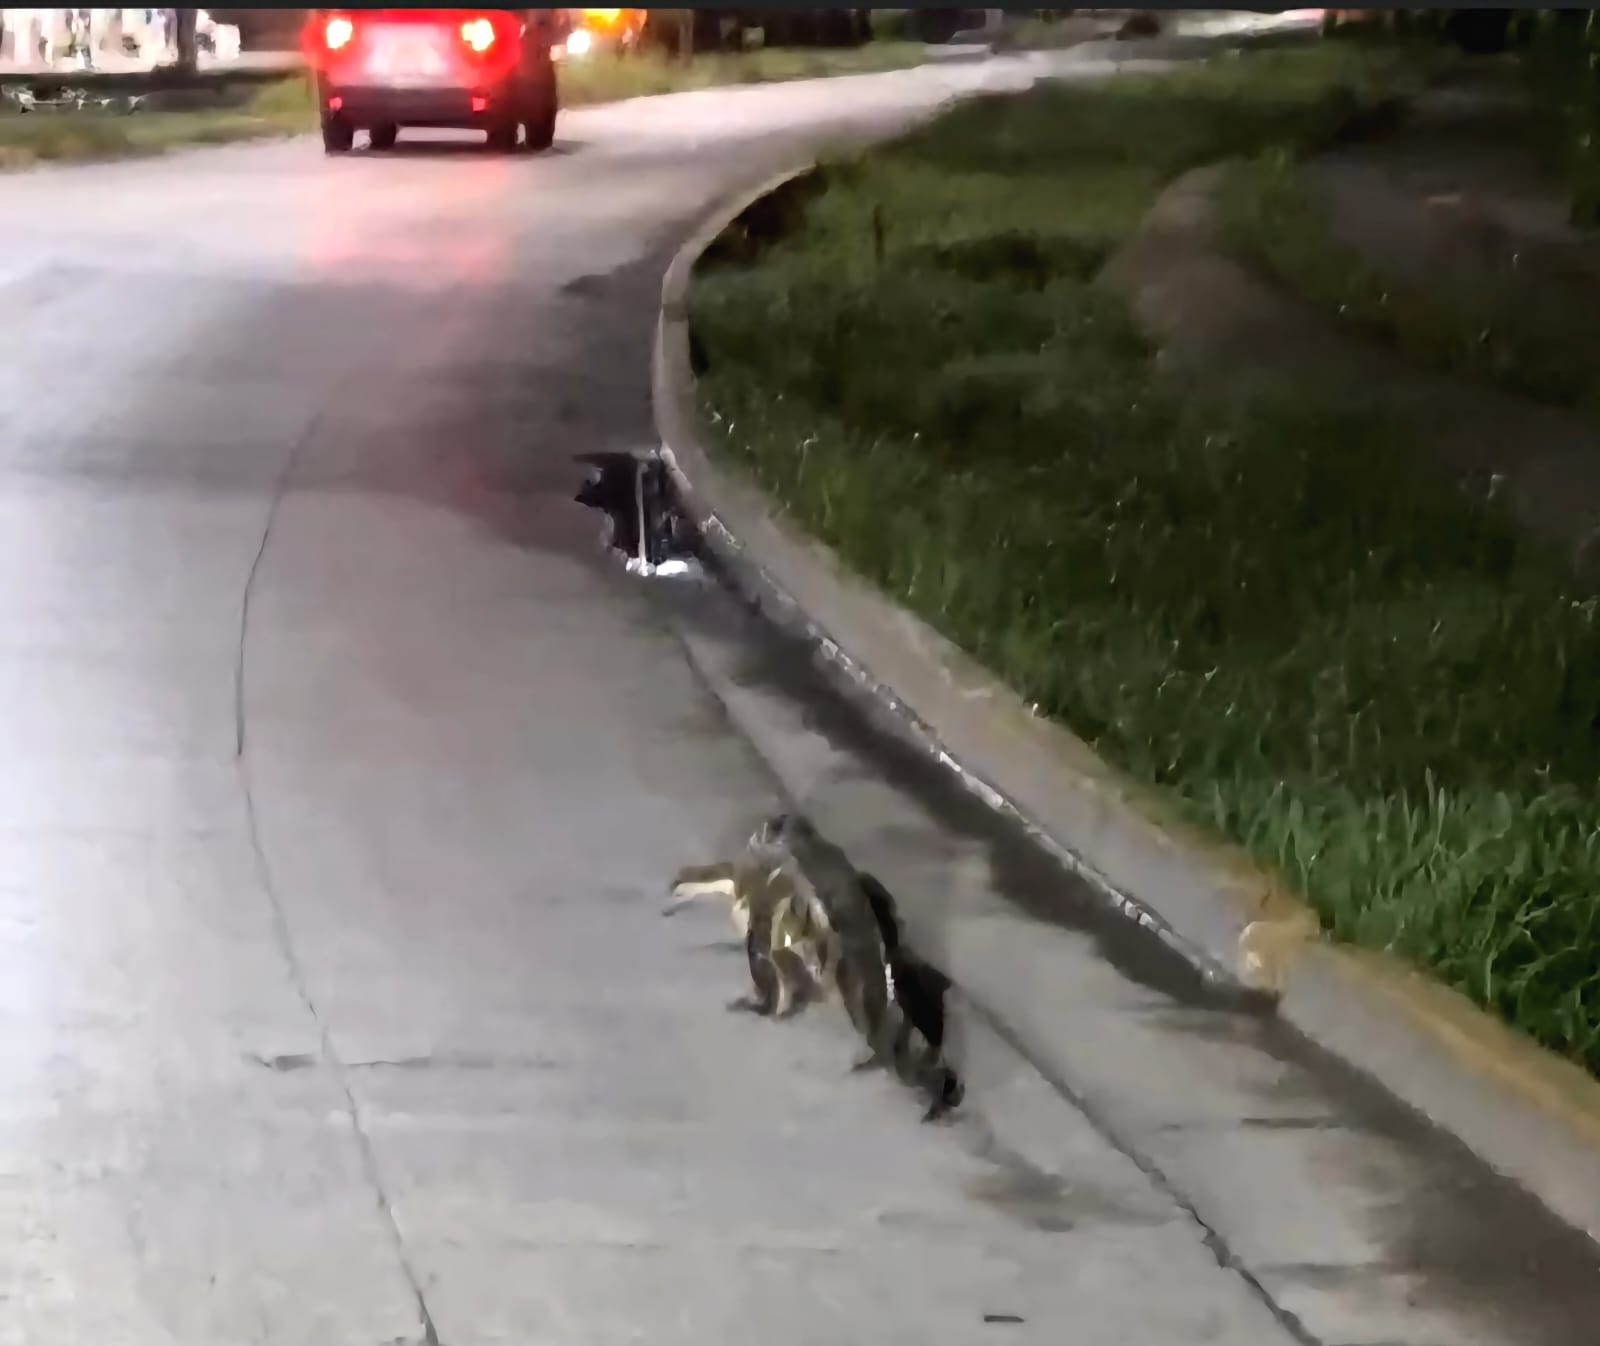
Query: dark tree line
pixel 707 30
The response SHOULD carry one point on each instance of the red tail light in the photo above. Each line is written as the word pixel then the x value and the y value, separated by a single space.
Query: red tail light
pixel 478 34
pixel 337 32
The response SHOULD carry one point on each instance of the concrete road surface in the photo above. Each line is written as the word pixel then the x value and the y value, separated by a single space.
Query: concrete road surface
pixel 341 773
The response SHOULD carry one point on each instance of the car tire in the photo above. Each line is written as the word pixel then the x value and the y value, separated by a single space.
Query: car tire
pixel 502 138
pixel 383 137
pixel 540 133
pixel 338 136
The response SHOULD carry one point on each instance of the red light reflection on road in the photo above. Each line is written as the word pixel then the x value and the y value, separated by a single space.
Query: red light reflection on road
pixel 434 217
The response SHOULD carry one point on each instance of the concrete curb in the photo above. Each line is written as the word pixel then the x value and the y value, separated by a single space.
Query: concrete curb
pixel 1528 1114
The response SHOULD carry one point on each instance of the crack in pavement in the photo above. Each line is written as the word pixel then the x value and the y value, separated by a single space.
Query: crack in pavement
pixel 329 1056
pixel 280 488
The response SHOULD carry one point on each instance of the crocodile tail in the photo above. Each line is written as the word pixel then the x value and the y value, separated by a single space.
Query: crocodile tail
pixel 882 906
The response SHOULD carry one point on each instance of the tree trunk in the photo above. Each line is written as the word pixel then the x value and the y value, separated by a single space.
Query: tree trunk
pixel 186 40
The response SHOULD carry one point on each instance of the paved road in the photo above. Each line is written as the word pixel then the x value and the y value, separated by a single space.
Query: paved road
pixel 379 1012
pixel 342 773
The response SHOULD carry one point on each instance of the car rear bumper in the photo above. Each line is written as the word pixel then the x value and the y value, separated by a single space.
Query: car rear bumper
pixel 366 106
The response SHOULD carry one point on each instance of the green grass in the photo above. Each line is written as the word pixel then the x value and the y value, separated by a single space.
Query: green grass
pixel 1268 613
pixel 606 78
pixel 282 107
pixel 1521 324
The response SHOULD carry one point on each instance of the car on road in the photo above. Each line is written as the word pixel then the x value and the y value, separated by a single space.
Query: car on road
pixel 602 31
pixel 380 70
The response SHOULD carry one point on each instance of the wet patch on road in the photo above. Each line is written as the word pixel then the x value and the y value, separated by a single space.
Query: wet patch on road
pixel 292 1062
pixel 1035 1199
pixel 461 1061
pixel 286 1063
pixel 586 285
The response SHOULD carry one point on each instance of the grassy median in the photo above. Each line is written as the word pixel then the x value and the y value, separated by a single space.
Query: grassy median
pixel 280 107
pixel 1268 612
